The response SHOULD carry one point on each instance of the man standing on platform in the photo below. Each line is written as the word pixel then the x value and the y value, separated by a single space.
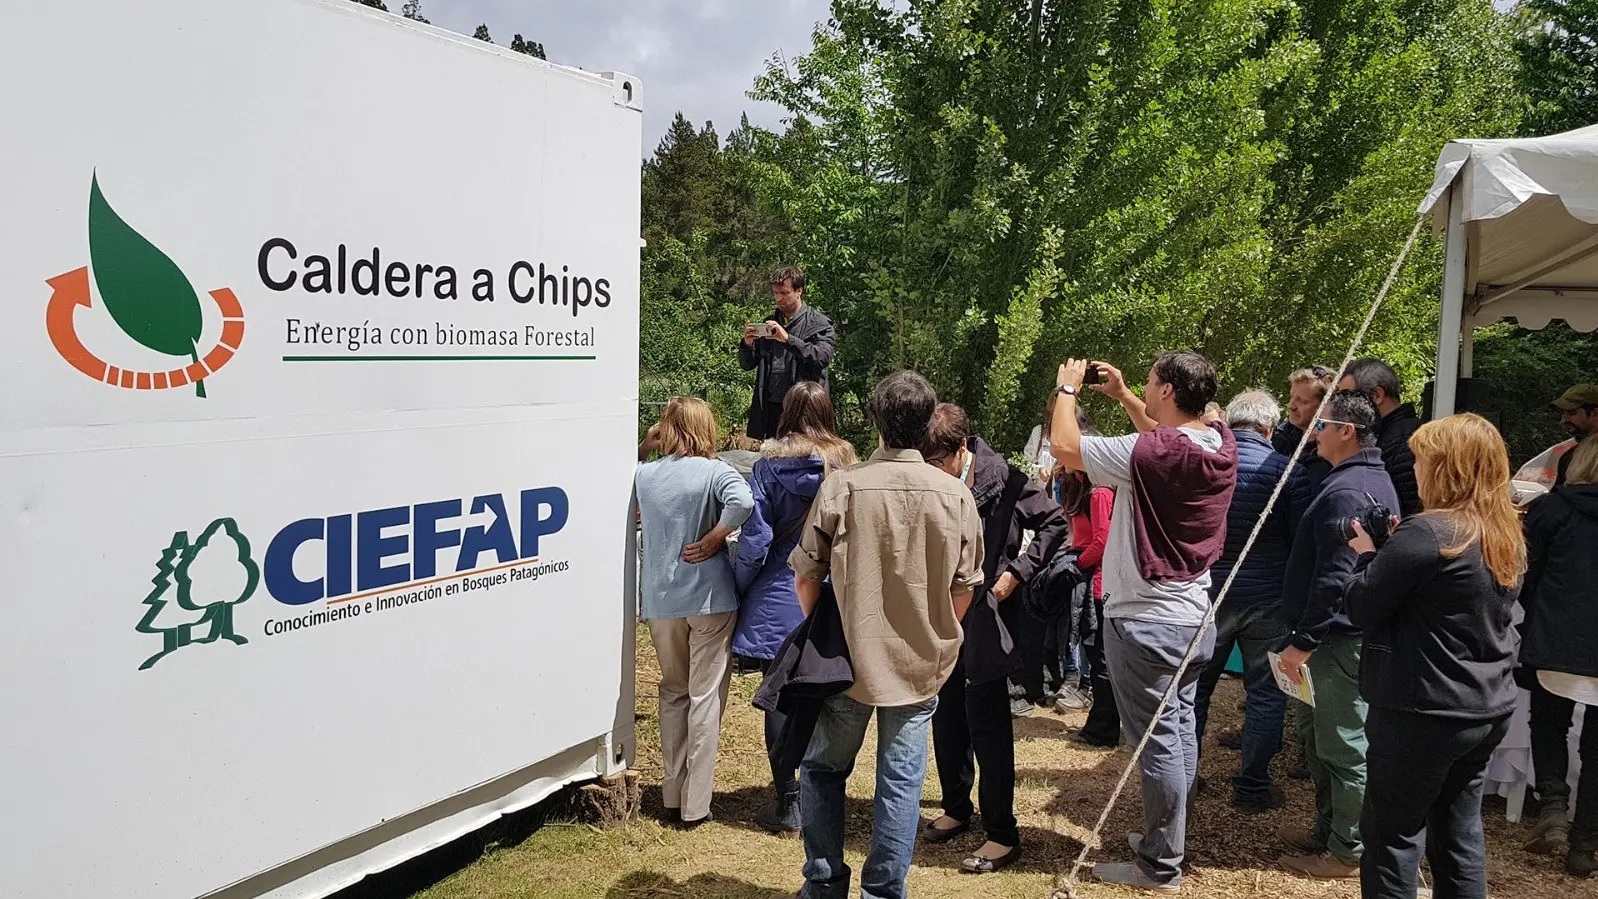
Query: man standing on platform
pixel 795 344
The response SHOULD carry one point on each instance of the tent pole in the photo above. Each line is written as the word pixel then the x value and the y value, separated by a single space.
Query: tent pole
pixel 1467 348
pixel 1450 322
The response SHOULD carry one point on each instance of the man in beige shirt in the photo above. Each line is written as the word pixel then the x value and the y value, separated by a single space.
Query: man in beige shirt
pixel 903 544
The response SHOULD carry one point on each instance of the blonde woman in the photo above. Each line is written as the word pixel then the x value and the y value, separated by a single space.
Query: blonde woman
pixel 690 502
pixel 1434 604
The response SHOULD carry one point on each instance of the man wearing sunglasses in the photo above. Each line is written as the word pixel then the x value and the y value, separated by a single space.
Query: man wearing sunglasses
pixel 1319 566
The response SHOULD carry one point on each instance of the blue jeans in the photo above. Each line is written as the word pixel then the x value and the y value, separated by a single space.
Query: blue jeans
pixel 901 770
pixel 1256 630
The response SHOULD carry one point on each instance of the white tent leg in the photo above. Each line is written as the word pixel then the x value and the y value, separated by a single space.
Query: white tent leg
pixel 1450 322
pixel 1467 348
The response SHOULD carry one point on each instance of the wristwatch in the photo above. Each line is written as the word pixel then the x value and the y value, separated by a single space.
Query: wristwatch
pixel 1066 389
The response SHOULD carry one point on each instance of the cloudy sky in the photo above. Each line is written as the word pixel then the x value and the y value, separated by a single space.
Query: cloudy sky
pixel 697 56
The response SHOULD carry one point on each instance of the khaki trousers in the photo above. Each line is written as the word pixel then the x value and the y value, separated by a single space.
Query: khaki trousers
pixel 695 668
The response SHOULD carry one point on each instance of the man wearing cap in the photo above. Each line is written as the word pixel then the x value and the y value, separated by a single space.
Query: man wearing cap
pixel 1578 415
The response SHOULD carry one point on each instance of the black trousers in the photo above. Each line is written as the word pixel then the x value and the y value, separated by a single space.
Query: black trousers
pixel 1104 719
pixel 785 780
pixel 1030 637
pixel 1551 717
pixel 1424 778
pixel 972 728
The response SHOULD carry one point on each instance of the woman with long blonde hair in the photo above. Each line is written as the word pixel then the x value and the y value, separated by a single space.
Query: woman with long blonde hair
pixel 1434 603
pixel 690 502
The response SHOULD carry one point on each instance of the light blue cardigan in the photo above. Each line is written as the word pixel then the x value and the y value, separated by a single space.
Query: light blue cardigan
pixel 680 498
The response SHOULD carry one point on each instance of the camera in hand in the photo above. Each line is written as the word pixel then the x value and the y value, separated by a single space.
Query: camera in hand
pixel 1093 375
pixel 1376 519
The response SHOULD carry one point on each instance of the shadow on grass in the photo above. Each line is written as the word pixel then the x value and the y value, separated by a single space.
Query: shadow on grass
pixel 1042 849
pixel 651 885
pixel 428 869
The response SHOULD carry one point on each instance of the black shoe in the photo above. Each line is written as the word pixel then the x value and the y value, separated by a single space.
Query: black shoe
pixel 1582 860
pixel 931 834
pixel 1231 739
pixel 691 825
pixel 1087 739
pixel 782 817
pixel 1299 771
pixel 1257 804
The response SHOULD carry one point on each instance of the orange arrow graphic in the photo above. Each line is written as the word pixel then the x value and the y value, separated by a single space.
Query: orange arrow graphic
pixel 71 290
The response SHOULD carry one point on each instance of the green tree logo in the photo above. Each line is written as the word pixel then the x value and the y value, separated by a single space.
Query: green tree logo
pixel 144 291
pixel 209 605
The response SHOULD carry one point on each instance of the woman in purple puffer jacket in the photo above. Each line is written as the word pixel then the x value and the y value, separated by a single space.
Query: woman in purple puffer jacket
pixel 785 480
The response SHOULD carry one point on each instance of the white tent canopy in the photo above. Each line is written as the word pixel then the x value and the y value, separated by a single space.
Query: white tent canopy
pixel 1521 218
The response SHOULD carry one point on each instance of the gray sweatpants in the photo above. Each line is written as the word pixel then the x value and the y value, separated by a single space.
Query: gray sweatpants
pixel 1142 657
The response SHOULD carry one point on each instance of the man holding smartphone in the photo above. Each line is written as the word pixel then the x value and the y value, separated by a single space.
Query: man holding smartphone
pixel 795 344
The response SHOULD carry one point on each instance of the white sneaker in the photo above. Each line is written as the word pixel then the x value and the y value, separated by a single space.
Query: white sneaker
pixel 1073 699
pixel 1130 875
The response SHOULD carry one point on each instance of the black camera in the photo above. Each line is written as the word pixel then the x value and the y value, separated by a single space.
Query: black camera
pixel 1376 519
pixel 1092 376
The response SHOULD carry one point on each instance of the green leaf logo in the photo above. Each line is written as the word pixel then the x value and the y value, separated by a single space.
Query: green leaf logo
pixel 147 295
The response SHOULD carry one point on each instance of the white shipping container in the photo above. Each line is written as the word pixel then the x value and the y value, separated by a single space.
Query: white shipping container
pixel 320 336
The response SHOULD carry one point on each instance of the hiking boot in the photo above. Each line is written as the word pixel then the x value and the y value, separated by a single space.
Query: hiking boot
pixel 1257 803
pixel 1300 838
pixel 1324 866
pixel 1582 860
pixel 1552 830
pixel 782 817
pixel 1021 708
pixel 1230 739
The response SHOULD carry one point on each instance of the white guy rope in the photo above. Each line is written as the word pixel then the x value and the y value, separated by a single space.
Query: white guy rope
pixel 1065 888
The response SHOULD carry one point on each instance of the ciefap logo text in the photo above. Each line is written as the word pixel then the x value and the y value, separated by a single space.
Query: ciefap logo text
pixel 148 298
pixel 344 567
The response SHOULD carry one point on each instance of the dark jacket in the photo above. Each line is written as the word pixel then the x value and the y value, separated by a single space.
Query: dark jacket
pixel 779 366
pixel 1561 593
pixel 1392 437
pixel 1321 564
pixel 1259 467
pixel 811 665
pixel 1315 470
pixel 1438 638
pixel 784 481
pixel 1286 437
pixel 990 626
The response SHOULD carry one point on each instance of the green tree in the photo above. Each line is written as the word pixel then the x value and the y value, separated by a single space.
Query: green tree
pixel 1558 50
pixel 160 618
pixel 413 10
pixel 375 4
pixel 531 48
pixel 482 34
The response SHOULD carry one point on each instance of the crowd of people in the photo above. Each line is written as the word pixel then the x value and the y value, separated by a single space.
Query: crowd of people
pixel 942 591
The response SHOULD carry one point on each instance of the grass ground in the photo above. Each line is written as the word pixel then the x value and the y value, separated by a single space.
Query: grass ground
pixel 1060 790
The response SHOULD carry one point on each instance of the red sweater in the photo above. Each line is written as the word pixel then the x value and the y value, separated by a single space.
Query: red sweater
pixel 1090 532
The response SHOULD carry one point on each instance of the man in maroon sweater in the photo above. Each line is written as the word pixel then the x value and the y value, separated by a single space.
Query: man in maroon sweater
pixel 1174 478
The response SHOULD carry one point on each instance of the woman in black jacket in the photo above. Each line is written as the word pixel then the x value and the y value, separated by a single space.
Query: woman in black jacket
pixel 1561 641
pixel 972 727
pixel 1438 658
